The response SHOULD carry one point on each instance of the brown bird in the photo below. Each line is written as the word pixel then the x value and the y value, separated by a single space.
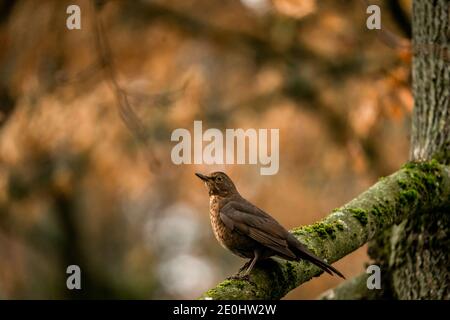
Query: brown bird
pixel 248 231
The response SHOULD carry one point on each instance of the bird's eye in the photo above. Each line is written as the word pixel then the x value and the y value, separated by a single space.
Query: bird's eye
pixel 219 179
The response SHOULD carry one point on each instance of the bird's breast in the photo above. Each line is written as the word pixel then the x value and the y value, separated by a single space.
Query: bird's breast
pixel 235 242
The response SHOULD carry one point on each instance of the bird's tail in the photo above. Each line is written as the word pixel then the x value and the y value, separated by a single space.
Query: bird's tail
pixel 323 265
pixel 303 253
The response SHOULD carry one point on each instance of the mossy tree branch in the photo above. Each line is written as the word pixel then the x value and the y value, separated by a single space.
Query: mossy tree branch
pixel 416 187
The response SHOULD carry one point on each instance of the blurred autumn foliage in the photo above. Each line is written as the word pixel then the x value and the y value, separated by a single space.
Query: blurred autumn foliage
pixel 86 117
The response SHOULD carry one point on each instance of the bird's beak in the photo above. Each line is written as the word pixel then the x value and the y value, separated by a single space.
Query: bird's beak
pixel 203 177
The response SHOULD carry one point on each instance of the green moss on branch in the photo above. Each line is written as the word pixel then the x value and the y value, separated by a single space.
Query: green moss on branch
pixel 417 186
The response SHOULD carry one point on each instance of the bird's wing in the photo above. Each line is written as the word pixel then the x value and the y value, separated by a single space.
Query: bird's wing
pixel 256 224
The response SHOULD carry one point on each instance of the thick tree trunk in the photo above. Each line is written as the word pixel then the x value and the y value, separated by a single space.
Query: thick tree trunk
pixel 414 255
pixel 430 137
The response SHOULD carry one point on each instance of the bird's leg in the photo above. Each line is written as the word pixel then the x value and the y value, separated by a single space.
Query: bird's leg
pixel 252 263
pixel 248 266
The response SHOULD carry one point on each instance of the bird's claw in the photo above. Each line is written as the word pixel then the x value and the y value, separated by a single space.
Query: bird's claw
pixel 244 267
pixel 239 277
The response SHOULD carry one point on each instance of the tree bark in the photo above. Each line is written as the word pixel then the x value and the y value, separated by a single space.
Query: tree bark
pixel 430 137
pixel 414 255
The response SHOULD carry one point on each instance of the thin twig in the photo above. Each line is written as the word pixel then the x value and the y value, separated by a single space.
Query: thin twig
pixel 389 38
pixel 129 117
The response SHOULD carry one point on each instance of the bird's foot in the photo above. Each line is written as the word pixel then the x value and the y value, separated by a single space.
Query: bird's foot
pixel 245 266
pixel 239 277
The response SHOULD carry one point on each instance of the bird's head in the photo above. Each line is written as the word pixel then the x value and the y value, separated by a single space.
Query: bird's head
pixel 218 183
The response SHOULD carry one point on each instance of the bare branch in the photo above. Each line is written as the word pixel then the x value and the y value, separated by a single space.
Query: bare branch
pixel 353 289
pixel 129 117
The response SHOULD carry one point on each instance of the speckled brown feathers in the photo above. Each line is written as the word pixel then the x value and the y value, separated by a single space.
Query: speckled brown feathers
pixel 248 231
